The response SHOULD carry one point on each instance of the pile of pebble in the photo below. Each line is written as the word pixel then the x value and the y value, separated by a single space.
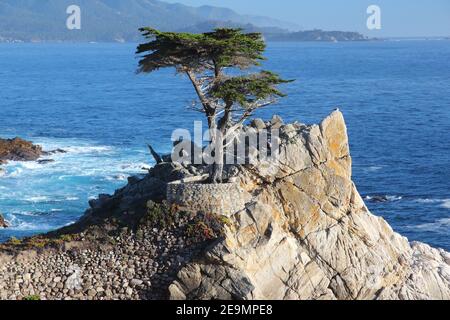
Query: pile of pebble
pixel 137 264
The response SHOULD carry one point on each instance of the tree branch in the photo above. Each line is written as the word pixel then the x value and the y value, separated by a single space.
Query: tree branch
pixel 200 93
pixel 155 155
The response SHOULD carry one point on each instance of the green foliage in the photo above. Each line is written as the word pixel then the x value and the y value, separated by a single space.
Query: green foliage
pixel 14 241
pixel 39 242
pixel 198 52
pixel 248 89
pixel 159 215
pixel 209 54
pixel 32 298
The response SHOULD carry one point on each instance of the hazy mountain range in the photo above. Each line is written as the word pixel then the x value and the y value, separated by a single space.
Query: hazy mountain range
pixel 118 20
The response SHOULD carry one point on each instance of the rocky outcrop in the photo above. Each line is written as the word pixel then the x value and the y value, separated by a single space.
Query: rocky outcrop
pixel 307 234
pixel 3 223
pixel 298 229
pixel 18 149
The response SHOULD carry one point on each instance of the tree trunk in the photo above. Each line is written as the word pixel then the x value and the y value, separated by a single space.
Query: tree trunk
pixel 217 169
pixel 217 142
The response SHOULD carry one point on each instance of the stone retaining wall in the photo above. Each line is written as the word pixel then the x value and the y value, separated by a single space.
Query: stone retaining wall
pixel 221 199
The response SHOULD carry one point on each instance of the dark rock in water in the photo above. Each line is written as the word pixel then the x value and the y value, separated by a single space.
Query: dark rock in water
pixel 45 161
pixel 19 150
pixel 56 151
pixel 379 199
pixel 3 223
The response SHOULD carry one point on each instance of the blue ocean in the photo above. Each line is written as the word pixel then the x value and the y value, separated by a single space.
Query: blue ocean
pixel 88 100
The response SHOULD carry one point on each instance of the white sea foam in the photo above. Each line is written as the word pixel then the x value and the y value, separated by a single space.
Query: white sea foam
pixel 50 188
pixel 28 226
pixel 386 198
pixel 446 204
pixel 37 199
pixel 20 225
pixel 87 149
pixel 369 169
pixel 434 226
pixel 14 173
pixel 443 203
pixel 427 200
pixel 27 213
pixel 117 177
pixel 394 198
pixel 31 165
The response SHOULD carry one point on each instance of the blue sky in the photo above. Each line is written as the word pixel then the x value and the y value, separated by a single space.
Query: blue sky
pixel 399 17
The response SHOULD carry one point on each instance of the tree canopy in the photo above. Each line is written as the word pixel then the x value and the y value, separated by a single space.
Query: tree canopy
pixel 227 98
pixel 199 52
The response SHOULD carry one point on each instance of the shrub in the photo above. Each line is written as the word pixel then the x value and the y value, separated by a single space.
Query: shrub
pixel 205 227
pixel 159 215
pixel 14 241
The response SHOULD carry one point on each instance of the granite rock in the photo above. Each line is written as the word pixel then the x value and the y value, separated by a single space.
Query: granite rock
pixel 307 234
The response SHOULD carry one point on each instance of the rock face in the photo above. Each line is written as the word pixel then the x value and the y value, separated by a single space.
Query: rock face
pixel 306 233
pixel 18 150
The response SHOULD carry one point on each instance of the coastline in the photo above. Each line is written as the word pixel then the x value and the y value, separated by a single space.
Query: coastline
pixel 151 248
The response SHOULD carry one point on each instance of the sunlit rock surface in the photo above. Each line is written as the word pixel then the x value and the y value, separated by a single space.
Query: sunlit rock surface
pixel 307 234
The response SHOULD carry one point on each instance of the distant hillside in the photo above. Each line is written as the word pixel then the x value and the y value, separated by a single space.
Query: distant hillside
pixel 210 13
pixel 107 20
pixel 119 20
pixel 207 26
pixel 317 35
pixel 278 34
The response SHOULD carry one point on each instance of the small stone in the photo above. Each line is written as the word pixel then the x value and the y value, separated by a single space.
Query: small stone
pixel 129 291
pixel 136 282
pixel 258 124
